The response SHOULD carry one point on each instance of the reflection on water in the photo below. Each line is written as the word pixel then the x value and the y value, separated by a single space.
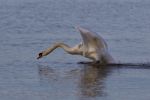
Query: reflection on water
pixel 92 80
pixel 88 82
pixel 89 79
pixel 46 72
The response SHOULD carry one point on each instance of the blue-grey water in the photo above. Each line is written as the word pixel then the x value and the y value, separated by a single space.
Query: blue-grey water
pixel 29 26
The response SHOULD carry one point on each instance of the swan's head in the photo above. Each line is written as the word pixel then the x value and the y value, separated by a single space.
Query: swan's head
pixel 42 54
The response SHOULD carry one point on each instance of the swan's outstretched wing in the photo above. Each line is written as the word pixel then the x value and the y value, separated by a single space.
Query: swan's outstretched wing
pixel 91 41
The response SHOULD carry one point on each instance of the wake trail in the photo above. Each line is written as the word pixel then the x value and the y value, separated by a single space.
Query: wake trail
pixel 133 65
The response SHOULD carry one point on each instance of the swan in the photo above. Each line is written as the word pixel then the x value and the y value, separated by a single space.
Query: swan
pixel 93 47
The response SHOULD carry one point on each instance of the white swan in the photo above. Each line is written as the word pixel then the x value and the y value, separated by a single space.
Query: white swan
pixel 93 47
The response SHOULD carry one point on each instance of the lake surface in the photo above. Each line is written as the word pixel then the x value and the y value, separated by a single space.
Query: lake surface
pixel 29 26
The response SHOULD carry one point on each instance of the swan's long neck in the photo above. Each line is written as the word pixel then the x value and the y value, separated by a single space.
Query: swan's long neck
pixel 62 45
pixel 65 47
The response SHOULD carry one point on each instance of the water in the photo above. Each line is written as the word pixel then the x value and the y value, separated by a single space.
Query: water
pixel 29 26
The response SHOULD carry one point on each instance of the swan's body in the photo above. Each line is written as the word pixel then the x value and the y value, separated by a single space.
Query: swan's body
pixel 93 47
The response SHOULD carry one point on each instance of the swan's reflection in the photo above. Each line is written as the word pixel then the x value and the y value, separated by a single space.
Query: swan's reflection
pixel 93 80
pixel 46 74
pixel 89 79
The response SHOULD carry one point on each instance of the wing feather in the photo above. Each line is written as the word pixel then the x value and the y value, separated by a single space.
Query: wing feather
pixel 91 40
